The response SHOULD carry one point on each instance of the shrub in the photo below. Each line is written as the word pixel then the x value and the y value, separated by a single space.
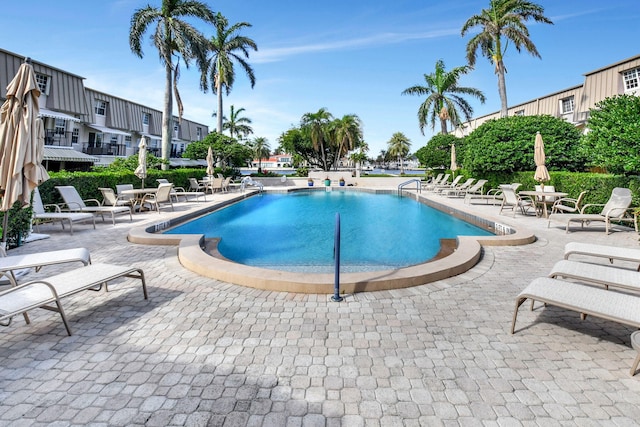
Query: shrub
pixel 437 153
pixel 613 141
pixel 506 145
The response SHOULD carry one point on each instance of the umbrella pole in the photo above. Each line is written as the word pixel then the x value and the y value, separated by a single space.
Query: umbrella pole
pixel 3 243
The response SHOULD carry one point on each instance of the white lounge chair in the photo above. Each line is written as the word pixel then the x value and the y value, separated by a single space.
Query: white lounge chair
pixel 511 200
pixel 472 189
pixel 41 293
pixel 161 196
pixel 41 215
pixel 603 251
pixel 433 185
pixel 74 203
pixel 568 204
pixel 616 209
pixel 597 274
pixel 587 300
pixel 11 263
pixel 447 185
pixel 109 198
pixel 460 187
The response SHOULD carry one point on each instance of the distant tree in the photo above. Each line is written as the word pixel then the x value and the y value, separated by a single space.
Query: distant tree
pixel 613 140
pixel 226 46
pixel 346 135
pixel 225 150
pixel 174 38
pixel 437 153
pixel 130 163
pixel 444 98
pixel 237 126
pixel 316 125
pixel 502 22
pixel 399 146
pixel 260 149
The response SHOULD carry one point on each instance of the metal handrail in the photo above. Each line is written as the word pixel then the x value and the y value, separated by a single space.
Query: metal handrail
pixel 404 184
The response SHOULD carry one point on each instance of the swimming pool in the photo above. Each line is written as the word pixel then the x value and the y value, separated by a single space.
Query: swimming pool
pixel 295 231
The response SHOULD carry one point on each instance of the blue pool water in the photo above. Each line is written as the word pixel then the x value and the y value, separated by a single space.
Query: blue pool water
pixel 295 231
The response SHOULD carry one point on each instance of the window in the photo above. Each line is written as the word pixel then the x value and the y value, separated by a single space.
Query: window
pixel 199 133
pixel 176 129
pixel 567 105
pixel 42 81
pixel 101 108
pixel 127 141
pixel 519 113
pixel 631 79
pixel 114 140
pixel 75 135
pixel 146 117
pixel 59 127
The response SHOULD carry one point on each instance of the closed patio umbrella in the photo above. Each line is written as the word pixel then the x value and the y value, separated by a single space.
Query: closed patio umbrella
pixel 542 174
pixel 454 165
pixel 210 169
pixel 21 143
pixel 141 170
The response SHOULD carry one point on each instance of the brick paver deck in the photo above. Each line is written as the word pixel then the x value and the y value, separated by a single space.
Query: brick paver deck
pixel 201 352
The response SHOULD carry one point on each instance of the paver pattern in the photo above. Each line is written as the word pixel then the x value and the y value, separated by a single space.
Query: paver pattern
pixel 205 353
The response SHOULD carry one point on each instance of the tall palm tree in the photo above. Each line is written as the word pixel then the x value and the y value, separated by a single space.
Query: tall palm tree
pixel 347 135
pixel 226 47
pixel 443 97
pixel 236 125
pixel 502 22
pixel 174 38
pixel 399 146
pixel 317 125
pixel 261 149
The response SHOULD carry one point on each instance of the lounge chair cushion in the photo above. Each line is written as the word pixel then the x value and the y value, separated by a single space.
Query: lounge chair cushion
pixel 588 300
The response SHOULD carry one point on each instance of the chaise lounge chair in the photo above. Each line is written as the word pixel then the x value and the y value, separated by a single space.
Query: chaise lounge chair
pixel 597 274
pixel 42 293
pixel 432 185
pixel 587 300
pixel 616 209
pixel 41 215
pixel 474 189
pixel 74 202
pixel 603 251
pixel 456 188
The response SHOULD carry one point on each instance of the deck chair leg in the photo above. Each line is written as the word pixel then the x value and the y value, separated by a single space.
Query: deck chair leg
pixel 515 314
pixel 634 367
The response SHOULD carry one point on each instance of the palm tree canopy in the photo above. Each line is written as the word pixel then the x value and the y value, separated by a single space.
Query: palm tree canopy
pixel 347 132
pixel 444 98
pixel 227 47
pixel 399 145
pixel 236 125
pixel 503 18
pixel 172 37
pixel 317 123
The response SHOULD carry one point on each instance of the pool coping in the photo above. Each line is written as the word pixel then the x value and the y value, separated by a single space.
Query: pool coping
pixel 200 255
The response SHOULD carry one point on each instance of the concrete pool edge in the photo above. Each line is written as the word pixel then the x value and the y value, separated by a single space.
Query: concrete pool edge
pixel 192 255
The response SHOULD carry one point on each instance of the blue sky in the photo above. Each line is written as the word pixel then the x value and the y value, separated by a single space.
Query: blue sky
pixel 351 57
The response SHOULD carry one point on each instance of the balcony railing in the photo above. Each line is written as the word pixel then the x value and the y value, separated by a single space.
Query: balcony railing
pixel 51 137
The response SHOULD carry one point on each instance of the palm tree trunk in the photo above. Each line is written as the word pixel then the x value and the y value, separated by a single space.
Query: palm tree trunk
pixel 443 126
pixel 167 116
pixel 220 114
pixel 502 89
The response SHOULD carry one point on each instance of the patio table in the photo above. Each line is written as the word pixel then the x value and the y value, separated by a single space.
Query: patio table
pixel 138 194
pixel 539 197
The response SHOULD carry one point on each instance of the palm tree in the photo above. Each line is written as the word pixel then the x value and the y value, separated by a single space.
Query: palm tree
pixel 236 125
pixel 504 19
pixel 347 135
pixel 317 124
pixel 443 97
pixel 261 149
pixel 399 146
pixel 174 38
pixel 226 47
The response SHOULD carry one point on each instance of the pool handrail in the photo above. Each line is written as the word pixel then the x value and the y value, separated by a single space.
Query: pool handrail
pixel 404 184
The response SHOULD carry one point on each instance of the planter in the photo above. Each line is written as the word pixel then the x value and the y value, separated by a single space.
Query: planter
pixel 310 183
pixel 327 182
pixel 341 183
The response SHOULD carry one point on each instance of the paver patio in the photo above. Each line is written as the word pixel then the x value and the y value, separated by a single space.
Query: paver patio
pixel 202 352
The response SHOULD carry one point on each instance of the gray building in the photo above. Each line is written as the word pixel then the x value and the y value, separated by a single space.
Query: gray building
pixel 85 127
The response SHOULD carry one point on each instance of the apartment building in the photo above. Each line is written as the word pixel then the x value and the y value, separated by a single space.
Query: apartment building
pixel 573 104
pixel 84 126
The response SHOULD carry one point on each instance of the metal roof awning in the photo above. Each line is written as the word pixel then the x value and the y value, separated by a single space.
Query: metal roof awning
pixel 177 163
pixel 66 154
pixel 57 115
pixel 105 129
